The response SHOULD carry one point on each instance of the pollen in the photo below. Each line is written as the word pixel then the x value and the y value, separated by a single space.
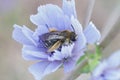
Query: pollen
pixel 52 30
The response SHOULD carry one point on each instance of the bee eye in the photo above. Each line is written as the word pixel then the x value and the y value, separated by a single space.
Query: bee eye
pixel 73 39
pixel 73 36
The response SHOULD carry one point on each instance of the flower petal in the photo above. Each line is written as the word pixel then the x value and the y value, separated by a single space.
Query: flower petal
pixel 33 53
pixel 114 60
pixel 67 24
pixel 19 36
pixel 81 41
pixel 41 29
pixel 112 75
pixel 39 70
pixel 100 69
pixel 108 69
pixel 51 16
pixel 29 34
pixel 77 56
pixel 40 18
pixel 92 34
pixel 69 8
pixel 52 67
pixel 69 65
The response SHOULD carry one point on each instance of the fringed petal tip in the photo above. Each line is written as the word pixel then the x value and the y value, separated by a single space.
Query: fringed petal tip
pixel 45 17
pixel 33 53
pixel 92 34
pixel 69 8
pixel 20 36
pixel 76 25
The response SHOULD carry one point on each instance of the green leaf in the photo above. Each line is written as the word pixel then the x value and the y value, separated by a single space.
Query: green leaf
pixel 93 60
pixel 93 63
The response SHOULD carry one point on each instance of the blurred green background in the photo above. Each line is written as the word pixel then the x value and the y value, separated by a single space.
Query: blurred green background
pixel 12 65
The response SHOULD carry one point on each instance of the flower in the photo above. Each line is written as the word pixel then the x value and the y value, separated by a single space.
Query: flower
pixel 51 17
pixel 108 69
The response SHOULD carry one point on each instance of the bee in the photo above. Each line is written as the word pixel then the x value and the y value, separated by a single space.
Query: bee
pixel 55 39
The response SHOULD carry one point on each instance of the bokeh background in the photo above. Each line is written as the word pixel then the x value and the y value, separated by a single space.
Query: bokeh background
pixel 13 66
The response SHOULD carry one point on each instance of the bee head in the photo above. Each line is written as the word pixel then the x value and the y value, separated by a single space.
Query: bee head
pixel 73 36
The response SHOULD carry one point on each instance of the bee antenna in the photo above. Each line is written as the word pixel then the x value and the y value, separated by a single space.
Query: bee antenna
pixel 47 27
pixel 73 28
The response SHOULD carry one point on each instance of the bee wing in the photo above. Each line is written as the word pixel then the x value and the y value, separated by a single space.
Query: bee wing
pixel 55 46
pixel 51 35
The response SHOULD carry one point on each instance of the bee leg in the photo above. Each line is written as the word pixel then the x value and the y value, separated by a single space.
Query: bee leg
pixel 54 47
pixel 67 42
pixel 59 49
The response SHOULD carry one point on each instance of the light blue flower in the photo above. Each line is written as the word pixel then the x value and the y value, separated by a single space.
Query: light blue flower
pixel 53 17
pixel 108 69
